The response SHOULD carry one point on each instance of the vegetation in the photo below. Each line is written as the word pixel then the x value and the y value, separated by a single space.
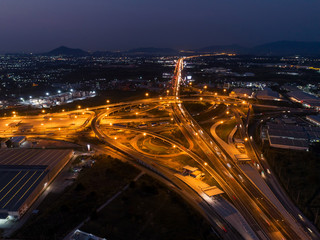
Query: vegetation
pixel 223 130
pixel 148 210
pixel 298 172
pixel 60 213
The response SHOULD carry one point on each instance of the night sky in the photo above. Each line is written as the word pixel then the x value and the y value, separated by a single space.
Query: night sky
pixel 41 25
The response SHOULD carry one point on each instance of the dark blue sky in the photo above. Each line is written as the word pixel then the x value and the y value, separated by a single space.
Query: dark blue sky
pixel 40 25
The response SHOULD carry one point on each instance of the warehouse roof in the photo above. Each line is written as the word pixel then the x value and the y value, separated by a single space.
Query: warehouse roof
pixel 288 142
pixel 17 184
pixel 32 156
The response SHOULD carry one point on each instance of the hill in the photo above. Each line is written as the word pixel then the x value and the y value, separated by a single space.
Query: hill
pixel 65 51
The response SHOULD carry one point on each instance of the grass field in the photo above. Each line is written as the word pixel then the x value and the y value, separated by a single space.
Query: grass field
pixel 223 130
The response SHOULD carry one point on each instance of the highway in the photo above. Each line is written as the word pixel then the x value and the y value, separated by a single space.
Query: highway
pixel 168 177
pixel 253 204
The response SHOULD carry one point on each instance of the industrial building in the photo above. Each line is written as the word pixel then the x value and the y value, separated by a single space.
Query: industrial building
pixel 268 94
pixel 24 174
pixel 291 136
pixel 307 100
pixel 241 93
pixel 315 119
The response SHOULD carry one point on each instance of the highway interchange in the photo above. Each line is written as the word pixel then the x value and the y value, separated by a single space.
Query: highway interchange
pixel 217 160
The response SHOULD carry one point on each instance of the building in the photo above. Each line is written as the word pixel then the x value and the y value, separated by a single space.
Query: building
pixel 17 141
pixel 212 191
pixel 241 93
pixel 80 235
pixel 289 136
pixel 192 171
pixel 242 158
pixel 315 119
pixel 24 174
pixel 267 94
pixel 307 100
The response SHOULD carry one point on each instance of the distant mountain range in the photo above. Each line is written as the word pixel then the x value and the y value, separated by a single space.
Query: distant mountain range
pixel 280 48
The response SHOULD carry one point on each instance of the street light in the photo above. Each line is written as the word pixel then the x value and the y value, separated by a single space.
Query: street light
pixel 144 134
pixel 108 101
pixel 221 122
pixel 205 164
pixel 147 94
pixel 246 139
pixel 201 99
pixel 79 107
pixel 227 112
pixel 43 111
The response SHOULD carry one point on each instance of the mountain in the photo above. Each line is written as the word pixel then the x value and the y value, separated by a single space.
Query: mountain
pixel 152 50
pixel 225 48
pixel 282 48
pixel 65 51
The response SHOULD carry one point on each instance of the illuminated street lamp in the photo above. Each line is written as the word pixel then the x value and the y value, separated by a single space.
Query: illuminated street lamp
pixel 160 98
pixel 47 93
pixel 246 139
pixel 205 164
pixel 110 124
pixel 205 87
pixel 79 107
pixel 168 91
pixel 147 94
pixel 227 112
pixel 201 99
pixel 224 90
pixel 108 101
pixel 115 138
pixel 144 134
pixel 215 94
pixel 13 112
pixel 174 146
pixel 137 113
pixel 63 110
pixel 221 122
pixel 50 119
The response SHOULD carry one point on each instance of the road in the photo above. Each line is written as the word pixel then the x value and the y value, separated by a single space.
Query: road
pixel 253 204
